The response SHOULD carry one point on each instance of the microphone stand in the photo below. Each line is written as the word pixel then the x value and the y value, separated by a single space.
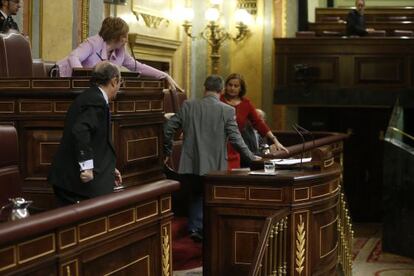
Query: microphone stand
pixel 302 129
pixel 303 143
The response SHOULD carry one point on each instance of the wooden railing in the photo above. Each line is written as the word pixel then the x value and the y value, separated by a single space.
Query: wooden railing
pixel 346 236
pixel 270 257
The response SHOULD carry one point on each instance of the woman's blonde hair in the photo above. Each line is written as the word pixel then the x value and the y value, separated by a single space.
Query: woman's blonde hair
pixel 113 28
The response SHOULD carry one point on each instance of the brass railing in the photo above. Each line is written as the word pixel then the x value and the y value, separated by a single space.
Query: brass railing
pixel 270 258
pixel 346 236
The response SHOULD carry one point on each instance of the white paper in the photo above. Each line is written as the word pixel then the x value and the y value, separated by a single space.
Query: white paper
pixel 262 173
pixel 290 161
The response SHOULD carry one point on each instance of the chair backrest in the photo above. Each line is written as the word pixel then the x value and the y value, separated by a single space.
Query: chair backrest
pixel 377 33
pixel 10 182
pixel 18 55
pixel 3 59
pixel 331 33
pixel 402 33
pixel 305 34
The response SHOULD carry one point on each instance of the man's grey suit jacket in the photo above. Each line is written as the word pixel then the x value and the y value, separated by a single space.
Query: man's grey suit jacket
pixel 207 125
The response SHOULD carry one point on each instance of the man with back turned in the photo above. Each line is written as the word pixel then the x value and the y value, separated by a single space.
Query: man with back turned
pixel 207 125
pixel 84 165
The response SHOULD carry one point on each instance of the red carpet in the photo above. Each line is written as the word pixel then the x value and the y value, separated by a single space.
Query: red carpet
pixel 370 260
pixel 186 253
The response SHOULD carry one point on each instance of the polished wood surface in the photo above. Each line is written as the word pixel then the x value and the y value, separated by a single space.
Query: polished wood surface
pixel 371 14
pixel 37 108
pixel 350 85
pixel 237 205
pixel 340 27
pixel 126 233
pixel 326 71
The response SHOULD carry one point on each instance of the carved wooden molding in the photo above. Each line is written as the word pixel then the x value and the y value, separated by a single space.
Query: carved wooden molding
pixel 300 245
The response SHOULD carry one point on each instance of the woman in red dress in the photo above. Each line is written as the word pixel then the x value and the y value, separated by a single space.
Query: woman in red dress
pixel 234 95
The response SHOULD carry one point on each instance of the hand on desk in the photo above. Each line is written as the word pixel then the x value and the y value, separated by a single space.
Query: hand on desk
pixel 174 86
pixel 257 158
pixel 277 146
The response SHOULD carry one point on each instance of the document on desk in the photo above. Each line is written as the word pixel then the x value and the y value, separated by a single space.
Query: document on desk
pixel 291 161
pixel 261 173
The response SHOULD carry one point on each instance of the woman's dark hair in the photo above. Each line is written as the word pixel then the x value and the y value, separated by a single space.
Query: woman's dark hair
pixel 113 28
pixel 239 77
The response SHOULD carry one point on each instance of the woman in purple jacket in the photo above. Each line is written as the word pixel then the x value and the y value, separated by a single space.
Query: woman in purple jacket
pixel 109 44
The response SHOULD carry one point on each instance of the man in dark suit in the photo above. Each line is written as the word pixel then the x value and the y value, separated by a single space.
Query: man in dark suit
pixel 84 165
pixel 253 140
pixel 207 124
pixel 7 9
pixel 355 23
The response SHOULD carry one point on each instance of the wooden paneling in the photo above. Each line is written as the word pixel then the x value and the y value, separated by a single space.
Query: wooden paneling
pixel 234 221
pixel 326 71
pixel 37 108
pixel 386 70
pixel 371 13
pixel 388 27
pixel 94 238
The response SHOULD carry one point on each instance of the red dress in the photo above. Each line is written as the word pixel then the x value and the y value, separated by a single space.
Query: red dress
pixel 245 111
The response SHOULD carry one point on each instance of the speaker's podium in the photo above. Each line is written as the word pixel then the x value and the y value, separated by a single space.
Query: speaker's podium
pixel 291 222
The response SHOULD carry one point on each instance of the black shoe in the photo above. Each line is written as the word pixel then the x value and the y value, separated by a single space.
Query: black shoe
pixel 196 236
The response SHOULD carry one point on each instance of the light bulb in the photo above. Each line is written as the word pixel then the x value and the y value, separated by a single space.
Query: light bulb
pixel 242 16
pixel 184 14
pixel 212 14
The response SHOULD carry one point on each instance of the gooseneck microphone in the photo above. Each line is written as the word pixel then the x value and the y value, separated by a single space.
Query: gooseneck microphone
pixel 304 130
pixel 294 126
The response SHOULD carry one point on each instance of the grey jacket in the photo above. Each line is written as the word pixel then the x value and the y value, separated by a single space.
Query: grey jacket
pixel 207 125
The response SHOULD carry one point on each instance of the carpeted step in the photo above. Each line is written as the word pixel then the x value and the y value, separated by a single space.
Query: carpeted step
pixel 187 254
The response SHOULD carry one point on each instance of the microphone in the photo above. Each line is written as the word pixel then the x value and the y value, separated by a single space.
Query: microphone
pixel 294 126
pixel 302 129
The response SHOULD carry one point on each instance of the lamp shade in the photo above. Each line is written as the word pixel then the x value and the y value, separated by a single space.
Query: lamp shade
pixel 242 16
pixel 186 14
pixel 212 14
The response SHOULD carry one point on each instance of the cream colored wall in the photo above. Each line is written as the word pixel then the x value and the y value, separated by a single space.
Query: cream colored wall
pixel 56 29
pixel 246 58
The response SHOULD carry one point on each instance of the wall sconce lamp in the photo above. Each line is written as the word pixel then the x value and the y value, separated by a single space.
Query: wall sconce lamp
pixel 213 33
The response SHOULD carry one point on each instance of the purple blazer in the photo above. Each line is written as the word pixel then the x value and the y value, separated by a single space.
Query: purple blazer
pixel 90 52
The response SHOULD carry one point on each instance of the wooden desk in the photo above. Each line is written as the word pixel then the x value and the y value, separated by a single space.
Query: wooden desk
pixel 236 205
pixel 126 233
pixel 371 13
pixel 344 71
pixel 37 108
pixel 388 27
